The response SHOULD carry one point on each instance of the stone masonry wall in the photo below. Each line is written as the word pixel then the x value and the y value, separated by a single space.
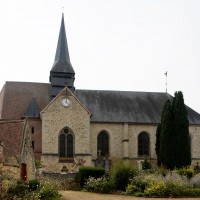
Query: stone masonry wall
pixel 195 141
pixel 117 135
pixel 36 132
pixel 115 138
pixel 134 131
pixel 54 119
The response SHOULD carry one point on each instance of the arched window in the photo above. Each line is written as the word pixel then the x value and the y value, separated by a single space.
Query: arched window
pixel 143 144
pixel 103 144
pixel 66 144
pixel 62 145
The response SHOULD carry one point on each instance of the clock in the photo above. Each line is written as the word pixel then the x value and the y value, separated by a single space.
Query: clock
pixel 66 102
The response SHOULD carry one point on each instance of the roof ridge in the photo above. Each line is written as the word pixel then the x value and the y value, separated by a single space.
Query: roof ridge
pixel 121 91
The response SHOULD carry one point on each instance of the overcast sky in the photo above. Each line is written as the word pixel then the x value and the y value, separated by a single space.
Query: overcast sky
pixel 113 44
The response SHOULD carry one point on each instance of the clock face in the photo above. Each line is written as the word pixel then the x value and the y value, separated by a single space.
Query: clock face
pixel 66 102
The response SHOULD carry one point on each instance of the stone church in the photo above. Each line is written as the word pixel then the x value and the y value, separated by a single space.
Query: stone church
pixel 70 125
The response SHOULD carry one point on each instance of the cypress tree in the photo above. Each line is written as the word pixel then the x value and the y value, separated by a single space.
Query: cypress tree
pixel 166 155
pixel 182 151
pixel 172 135
pixel 158 132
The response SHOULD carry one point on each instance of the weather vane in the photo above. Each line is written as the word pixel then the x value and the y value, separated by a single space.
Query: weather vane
pixel 166 80
pixel 63 9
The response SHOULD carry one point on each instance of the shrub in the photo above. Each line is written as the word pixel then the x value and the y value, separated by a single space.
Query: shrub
pixel 139 182
pixel 102 185
pixel 33 185
pixel 18 189
pixel 47 192
pixel 38 164
pixel 122 173
pixel 146 165
pixel 172 185
pixel 191 192
pixel 157 189
pixel 34 190
pixel 195 181
pixel 157 185
pixel 174 188
pixel 162 170
pixel 143 179
pixel 188 172
pixel 122 178
pixel 86 172
pixel 131 189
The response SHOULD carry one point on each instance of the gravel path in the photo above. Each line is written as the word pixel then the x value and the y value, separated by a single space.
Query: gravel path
pixel 76 195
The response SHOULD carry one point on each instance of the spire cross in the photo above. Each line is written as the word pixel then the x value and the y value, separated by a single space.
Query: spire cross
pixel 63 9
pixel 99 152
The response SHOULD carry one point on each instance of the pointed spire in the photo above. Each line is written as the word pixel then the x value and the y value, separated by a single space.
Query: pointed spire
pixel 62 73
pixel 33 110
pixel 62 61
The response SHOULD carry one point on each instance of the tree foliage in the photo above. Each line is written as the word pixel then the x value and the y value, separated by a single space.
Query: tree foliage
pixel 181 129
pixel 172 135
pixel 157 148
pixel 158 132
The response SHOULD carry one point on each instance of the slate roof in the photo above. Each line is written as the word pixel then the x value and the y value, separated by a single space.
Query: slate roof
pixel 16 97
pixel 105 106
pixel 62 61
pixel 127 106
pixel 33 110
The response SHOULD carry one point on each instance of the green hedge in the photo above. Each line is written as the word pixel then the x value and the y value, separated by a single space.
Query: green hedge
pixel 191 192
pixel 86 172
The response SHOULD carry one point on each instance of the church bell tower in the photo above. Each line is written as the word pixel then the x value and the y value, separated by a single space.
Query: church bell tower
pixel 62 73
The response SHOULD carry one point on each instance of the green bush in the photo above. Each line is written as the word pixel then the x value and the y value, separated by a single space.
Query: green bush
pixel 142 180
pixel 131 189
pixel 86 172
pixel 191 192
pixel 33 190
pixel 122 178
pixel 169 188
pixel 157 189
pixel 195 181
pixel 122 173
pixel 162 170
pixel 47 193
pixel 33 185
pixel 139 182
pixel 102 185
pixel 174 188
pixel 186 171
pixel 19 189
pixel 146 165
pixel 157 185
pixel 38 164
